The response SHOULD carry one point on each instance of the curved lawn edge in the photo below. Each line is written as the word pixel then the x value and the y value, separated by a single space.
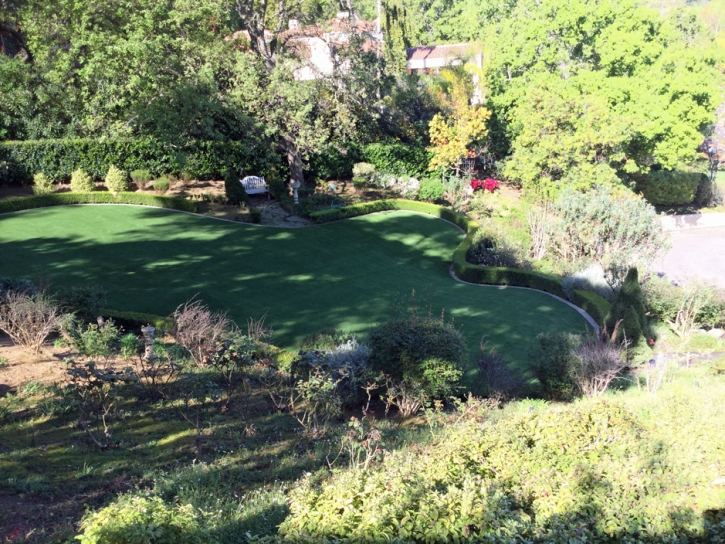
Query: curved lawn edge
pixel 17 204
pixel 461 269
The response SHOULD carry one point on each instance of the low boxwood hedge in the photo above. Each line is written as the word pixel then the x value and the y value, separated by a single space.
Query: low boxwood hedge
pixel 463 269
pixel 62 199
pixel 592 303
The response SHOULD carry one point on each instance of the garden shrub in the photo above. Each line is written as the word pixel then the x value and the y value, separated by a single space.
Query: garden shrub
pixel 587 472
pixel 593 304
pixel 28 318
pixel 63 199
pixel 431 188
pixel 421 350
pixel 397 159
pixel 553 363
pixel 141 176
pixel 317 203
pixel 671 188
pixel 616 230
pixel 162 184
pixel 42 185
pixel 363 170
pixel 80 182
pixel 661 298
pixel 143 520
pixel 630 297
pixel 256 215
pixel 138 319
pixel 17 285
pixel 203 159
pixel 233 189
pixel 86 301
pixel 116 180
pixel 334 162
pixel 490 248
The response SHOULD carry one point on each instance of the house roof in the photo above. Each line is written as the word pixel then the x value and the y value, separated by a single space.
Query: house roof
pixel 429 52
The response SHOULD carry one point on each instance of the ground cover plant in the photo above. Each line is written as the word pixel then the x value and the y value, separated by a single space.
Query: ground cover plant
pixel 343 275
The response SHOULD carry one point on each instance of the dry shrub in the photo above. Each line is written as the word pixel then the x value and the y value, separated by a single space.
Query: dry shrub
pixel 599 362
pixel 28 318
pixel 200 330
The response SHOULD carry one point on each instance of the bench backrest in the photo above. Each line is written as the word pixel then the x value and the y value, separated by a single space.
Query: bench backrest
pixel 254 182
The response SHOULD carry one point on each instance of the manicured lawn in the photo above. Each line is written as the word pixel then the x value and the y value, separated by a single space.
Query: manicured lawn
pixel 346 275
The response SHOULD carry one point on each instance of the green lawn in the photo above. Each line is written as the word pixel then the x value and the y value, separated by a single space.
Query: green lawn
pixel 346 275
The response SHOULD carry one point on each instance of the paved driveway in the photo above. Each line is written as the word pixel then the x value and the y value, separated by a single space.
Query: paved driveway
pixel 696 252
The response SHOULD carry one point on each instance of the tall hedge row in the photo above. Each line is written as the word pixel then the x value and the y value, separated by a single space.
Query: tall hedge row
pixel 388 157
pixel 464 270
pixel 57 159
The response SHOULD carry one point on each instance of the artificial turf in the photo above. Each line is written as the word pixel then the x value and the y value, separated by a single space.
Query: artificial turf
pixel 346 275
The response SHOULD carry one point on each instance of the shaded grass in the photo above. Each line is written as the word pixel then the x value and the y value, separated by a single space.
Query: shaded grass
pixel 346 275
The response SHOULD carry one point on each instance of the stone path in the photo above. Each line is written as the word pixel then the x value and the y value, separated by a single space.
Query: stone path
pixel 273 215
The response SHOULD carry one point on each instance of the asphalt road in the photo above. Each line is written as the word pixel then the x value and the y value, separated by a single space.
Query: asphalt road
pixel 696 252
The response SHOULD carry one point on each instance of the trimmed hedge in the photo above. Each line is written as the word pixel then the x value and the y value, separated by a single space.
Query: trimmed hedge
pixel 57 159
pixel 593 304
pixel 63 199
pixel 388 157
pixel 138 319
pixel 671 188
pixel 463 269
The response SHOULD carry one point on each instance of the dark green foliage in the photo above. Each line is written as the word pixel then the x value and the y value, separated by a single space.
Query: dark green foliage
pixel 359 183
pixel 86 301
pixel 317 203
pixel 419 349
pixel 162 184
pixel 388 158
pixel 667 188
pixel 552 364
pixel 233 188
pixel 256 215
pixel 324 340
pixel 630 297
pixel 57 159
pixel 136 320
pixel 19 285
pixel 431 188
pixel 593 304
pixel 62 199
pixel 335 162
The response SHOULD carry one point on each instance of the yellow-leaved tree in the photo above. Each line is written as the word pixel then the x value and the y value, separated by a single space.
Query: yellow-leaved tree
pixel 461 126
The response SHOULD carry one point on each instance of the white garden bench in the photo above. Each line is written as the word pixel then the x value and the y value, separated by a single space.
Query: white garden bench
pixel 255 185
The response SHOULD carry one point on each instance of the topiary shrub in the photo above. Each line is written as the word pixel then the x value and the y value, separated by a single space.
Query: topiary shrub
pixel 629 308
pixel 140 520
pixel 671 188
pixel 233 189
pixel 80 182
pixel 141 176
pixel 431 188
pixel 42 185
pixel 116 180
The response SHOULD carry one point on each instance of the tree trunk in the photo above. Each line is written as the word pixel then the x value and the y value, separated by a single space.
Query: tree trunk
pixel 294 160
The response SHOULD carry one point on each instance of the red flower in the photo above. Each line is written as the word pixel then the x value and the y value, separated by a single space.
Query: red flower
pixel 651 341
pixel 490 184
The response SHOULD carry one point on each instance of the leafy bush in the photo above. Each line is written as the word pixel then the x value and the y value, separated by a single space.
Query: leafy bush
pixel 359 183
pixel 363 170
pixel 397 159
pixel 141 176
pixel 256 215
pixel 63 199
pixel 588 472
pixel 668 188
pixel 42 185
pixel 162 184
pixel 80 182
pixel 233 189
pixel 661 298
pixel 552 364
pixel 431 188
pixel 141 520
pixel 203 159
pixel 489 248
pixel 86 301
pixel 420 350
pixel 138 319
pixel 116 180
pixel 319 202
pixel 592 279
pixel 618 231
pixel 630 297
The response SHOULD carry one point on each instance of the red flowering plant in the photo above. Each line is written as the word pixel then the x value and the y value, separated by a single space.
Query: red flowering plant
pixel 488 184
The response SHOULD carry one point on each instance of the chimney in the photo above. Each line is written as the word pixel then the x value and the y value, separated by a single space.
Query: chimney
pixel 293 23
